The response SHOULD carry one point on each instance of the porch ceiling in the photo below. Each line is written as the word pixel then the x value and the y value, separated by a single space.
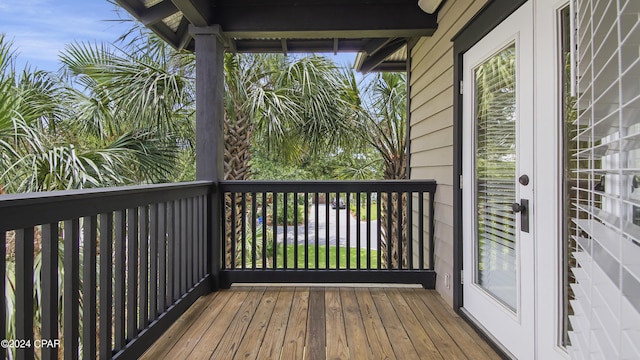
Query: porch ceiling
pixel 377 29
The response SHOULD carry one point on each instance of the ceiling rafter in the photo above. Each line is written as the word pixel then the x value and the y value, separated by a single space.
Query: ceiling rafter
pixel 158 12
pixel 374 45
pixel 133 7
pixel 183 34
pixel 138 10
pixel 374 28
pixel 391 66
pixel 373 61
pixel 198 12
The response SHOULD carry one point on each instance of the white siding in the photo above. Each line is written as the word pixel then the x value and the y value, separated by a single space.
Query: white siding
pixel 432 124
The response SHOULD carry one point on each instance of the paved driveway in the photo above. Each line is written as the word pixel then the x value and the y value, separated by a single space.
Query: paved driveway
pixel 337 232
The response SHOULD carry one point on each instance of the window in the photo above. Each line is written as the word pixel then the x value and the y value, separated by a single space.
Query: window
pixel 605 302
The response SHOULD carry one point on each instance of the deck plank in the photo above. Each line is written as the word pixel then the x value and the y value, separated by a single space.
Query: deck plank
pixel 191 337
pixel 400 341
pixel 315 345
pixel 297 329
pixel 272 343
pixel 238 327
pixel 252 340
pixel 419 338
pixel 437 333
pixel 359 348
pixel 173 337
pixel 218 327
pixel 318 323
pixel 454 325
pixel 477 338
pixel 336 335
pixel 376 333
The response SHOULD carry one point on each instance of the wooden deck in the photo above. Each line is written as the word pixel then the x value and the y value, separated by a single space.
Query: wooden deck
pixel 320 323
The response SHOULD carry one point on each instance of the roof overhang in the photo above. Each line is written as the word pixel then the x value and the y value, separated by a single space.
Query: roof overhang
pixel 377 29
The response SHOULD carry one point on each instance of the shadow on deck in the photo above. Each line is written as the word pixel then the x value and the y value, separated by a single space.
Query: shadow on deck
pixel 320 323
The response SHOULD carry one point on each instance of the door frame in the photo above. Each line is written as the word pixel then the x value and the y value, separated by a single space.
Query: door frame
pixel 513 320
pixel 547 293
pixel 488 18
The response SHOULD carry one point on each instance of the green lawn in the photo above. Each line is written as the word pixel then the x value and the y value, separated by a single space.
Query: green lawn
pixel 322 262
pixel 363 211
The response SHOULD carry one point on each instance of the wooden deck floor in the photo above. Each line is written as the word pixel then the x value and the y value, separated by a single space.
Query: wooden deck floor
pixel 320 323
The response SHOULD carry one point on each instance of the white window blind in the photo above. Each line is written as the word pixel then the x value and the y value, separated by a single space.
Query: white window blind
pixel 495 167
pixel 605 323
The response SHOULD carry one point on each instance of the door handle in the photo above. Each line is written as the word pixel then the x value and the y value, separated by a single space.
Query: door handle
pixel 523 209
pixel 518 207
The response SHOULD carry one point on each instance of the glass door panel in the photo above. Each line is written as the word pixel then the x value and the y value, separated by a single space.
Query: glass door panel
pixel 495 170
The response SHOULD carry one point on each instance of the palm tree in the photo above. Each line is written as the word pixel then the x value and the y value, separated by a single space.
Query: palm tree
pixel 29 112
pixel 119 116
pixel 8 125
pixel 290 105
pixel 382 126
pixel 384 122
pixel 139 97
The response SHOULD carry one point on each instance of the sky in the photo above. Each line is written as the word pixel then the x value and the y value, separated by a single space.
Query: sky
pixel 40 29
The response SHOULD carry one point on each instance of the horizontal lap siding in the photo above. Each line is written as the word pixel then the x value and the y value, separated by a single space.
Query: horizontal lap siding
pixel 432 124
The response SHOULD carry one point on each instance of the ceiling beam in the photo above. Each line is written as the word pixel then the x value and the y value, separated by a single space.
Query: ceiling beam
pixel 184 35
pixel 374 45
pixel 230 44
pixel 292 25
pixel 139 11
pixel 133 7
pixel 198 12
pixel 165 33
pixel 297 45
pixel 308 19
pixel 396 66
pixel 156 13
pixel 378 58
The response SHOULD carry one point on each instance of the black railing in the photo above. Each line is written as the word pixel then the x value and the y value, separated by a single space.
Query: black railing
pixel 328 231
pixel 103 273
pixel 129 262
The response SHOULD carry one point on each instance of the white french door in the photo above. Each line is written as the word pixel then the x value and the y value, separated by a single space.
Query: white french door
pixel 498 174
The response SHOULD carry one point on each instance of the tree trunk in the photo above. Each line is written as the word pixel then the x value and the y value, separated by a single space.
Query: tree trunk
pixel 237 145
pixel 237 148
pixel 389 237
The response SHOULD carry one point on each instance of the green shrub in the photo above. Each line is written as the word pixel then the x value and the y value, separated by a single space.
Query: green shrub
pixel 290 209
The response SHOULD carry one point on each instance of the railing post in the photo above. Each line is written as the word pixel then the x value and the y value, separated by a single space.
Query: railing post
pixel 209 131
